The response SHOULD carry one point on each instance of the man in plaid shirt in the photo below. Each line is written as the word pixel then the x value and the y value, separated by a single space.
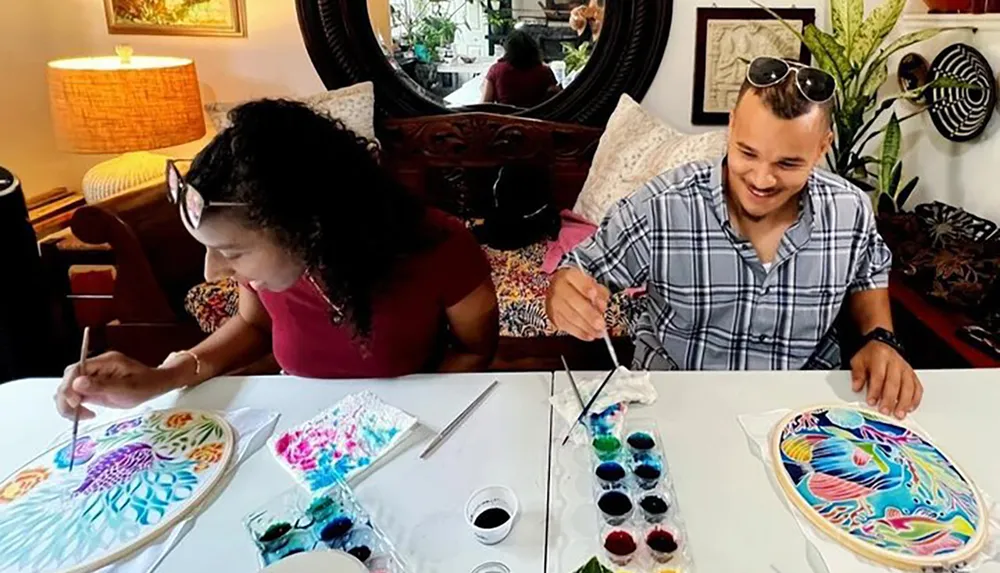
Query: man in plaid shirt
pixel 747 260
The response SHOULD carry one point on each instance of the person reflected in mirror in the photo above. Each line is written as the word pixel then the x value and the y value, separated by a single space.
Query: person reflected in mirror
pixel 587 20
pixel 342 273
pixel 748 260
pixel 520 78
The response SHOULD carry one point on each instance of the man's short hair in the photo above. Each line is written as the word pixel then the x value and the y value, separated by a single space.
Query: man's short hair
pixel 786 101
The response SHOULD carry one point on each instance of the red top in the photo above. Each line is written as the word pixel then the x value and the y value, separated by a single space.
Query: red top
pixel 408 322
pixel 523 88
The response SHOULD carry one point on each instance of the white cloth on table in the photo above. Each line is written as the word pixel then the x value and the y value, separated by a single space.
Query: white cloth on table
pixel 625 387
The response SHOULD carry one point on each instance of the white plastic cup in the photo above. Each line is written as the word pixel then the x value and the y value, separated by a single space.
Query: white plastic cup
pixel 496 496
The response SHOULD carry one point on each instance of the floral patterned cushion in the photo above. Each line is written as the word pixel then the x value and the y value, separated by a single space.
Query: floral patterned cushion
pixel 519 281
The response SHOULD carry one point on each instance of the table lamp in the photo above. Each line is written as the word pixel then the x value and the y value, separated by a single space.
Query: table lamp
pixel 125 104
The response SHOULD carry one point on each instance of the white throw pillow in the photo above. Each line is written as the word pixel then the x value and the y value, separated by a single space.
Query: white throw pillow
pixel 353 105
pixel 635 148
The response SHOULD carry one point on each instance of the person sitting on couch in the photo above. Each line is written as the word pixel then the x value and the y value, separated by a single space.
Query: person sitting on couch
pixel 747 260
pixel 341 271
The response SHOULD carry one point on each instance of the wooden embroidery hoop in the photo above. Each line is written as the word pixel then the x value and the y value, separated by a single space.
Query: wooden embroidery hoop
pixel 850 542
pixel 194 503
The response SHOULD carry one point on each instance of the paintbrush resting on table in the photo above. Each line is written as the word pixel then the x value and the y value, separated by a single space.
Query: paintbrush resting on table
pixel 604 330
pixel 586 409
pixel 450 428
pixel 81 371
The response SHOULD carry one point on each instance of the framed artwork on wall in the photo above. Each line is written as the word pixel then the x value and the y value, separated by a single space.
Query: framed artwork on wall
pixel 177 17
pixel 726 40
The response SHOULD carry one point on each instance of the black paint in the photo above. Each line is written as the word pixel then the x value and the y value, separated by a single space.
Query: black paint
pixel 492 518
pixel 275 532
pixel 336 528
pixel 361 552
pixel 662 541
pixel 647 471
pixel 615 503
pixel 654 504
pixel 610 471
pixel 641 441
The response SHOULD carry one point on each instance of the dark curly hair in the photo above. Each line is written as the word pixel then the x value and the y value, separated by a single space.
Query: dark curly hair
pixel 522 51
pixel 318 187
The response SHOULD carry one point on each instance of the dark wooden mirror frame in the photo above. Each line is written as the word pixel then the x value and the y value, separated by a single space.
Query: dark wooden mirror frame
pixel 339 38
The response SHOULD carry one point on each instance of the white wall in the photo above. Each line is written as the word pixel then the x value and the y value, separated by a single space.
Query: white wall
pixel 271 61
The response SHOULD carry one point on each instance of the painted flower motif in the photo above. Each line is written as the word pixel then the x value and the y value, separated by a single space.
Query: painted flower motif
pixel 178 421
pixel 85 450
pixel 120 427
pixel 301 455
pixel 22 483
pixel 206 456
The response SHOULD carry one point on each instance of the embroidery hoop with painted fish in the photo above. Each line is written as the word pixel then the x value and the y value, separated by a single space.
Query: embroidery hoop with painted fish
pixel 217 463
pixel 860 546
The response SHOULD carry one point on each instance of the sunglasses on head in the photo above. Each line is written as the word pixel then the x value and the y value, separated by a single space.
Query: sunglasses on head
pixel 190 201
pixel 814 84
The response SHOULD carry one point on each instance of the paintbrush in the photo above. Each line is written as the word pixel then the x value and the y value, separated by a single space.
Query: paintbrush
pixel 604 331
pixel 81 371
pixel 586 409
pixel 450 428
pixel 572 382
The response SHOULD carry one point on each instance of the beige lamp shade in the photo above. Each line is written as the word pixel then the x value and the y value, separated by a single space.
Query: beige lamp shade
pixel 116 105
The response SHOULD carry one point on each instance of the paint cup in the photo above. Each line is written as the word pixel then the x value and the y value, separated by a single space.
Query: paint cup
pixel 492 567
pixel 662 542
pixel 648 470
pixel 619 545
pixel 640 442
pixel 616 507
pixel 362 543
pixel 485 510
pixel 607 447
pixel 610 475
pixel 654 506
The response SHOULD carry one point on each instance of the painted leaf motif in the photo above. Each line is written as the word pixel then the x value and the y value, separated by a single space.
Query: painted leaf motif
pixel 875 28
pixel 847 16
pixel 829 55
pixel 890 153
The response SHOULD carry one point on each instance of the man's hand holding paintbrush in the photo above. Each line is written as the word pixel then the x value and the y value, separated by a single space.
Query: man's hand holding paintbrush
pixel 576 303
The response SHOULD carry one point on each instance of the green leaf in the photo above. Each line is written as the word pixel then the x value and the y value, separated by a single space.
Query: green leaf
pixel 875 28
pixel 894 177
pixel 593 566
pixel 829 55
pixel 907 40
pixel 847 16
pixel 890 153
pixel 876 77
pixel 905 192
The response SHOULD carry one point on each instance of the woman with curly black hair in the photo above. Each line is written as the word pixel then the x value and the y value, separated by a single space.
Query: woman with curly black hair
pixel 519 78
pixel 341 272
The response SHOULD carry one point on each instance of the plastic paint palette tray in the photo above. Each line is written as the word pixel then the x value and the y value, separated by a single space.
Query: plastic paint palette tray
pixel 640 525
pixel 297 521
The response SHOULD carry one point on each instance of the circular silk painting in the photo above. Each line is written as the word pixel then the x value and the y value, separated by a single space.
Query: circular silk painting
pixel 130 481
pixel 878 487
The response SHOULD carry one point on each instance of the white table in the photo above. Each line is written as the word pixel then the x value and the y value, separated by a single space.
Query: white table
pixel 418 503
pixel 734 519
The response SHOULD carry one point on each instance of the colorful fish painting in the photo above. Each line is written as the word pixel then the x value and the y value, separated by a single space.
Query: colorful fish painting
pixel 894 494
pixel 131 479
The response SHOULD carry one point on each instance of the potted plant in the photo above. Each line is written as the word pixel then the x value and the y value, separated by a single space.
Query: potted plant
pixel 857 56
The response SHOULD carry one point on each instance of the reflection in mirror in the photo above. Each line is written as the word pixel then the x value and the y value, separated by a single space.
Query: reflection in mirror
pixel 517 53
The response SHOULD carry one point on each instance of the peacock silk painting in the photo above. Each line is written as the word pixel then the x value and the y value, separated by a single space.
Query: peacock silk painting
pixel 131 481
pixel 176 17
pixel 878 487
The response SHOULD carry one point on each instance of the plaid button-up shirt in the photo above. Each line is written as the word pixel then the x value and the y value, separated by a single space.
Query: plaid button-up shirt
pixel 710 303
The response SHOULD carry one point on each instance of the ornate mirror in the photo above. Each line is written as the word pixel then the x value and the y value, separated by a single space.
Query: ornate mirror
pixel 561 60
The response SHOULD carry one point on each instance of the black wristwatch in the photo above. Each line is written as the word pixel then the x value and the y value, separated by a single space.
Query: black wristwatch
pixel 885 337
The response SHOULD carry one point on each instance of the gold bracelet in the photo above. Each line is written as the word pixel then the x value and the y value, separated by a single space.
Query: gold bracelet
pixel 197 361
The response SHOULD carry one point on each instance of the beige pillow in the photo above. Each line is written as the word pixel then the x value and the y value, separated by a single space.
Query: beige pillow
pixel 634 148
pixel 353 105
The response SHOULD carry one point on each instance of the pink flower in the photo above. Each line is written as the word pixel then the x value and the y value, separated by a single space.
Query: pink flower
pixel 286 440
pixel 301 455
